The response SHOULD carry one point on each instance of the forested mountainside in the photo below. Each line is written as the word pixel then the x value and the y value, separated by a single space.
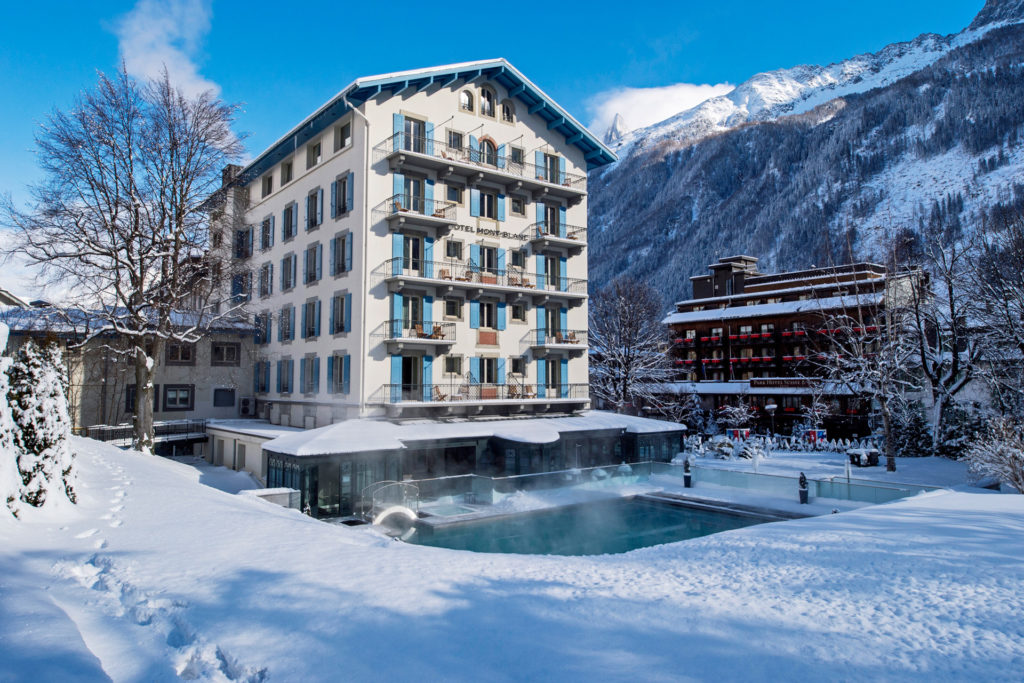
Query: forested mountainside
pixel 820 164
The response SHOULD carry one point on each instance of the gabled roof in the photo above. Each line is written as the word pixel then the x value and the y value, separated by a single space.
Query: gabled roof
pixel 494 70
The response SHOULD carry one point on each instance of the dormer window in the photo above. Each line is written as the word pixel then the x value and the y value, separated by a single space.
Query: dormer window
pixel 488 153
pixel 508 112
pixel 487 103
pixel 466 101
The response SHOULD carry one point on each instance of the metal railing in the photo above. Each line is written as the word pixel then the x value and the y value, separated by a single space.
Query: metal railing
pixel 562 231
pixel 474 391
pixel 454 272
pixel 418 329
pixel 162 431
pixel 399 204
pixel 381 495
pixel 557 337
pixel 479 157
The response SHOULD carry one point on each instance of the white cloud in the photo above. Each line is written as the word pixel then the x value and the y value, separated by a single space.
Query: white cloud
pixel 642 107
pixel 159 33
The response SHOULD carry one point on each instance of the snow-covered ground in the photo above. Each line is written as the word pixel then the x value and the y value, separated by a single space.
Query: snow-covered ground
pixel 154 576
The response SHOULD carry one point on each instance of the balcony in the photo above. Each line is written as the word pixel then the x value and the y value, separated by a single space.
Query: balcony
pixel 541 340
pixel 410 210
pixel 402 150
pixel 403 334
pixel 474 394
pixel 450 276
pixel 542 235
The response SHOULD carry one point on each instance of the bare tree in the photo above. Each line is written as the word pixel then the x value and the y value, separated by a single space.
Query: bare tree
pixel 999 454
pixel 119 217
pixel 628 362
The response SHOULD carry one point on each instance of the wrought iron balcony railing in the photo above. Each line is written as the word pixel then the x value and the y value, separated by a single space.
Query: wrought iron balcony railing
pixel 479 158
pixel 406 205
pixel 419 330
pixel 557 337
pixel 472 275
pixel 545 230
pixel 454 393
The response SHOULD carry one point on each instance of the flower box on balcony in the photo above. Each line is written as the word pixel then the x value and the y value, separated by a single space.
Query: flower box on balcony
pixel 756 335
pixel 800 333
pixel 800 357
pixel 679 340
pixel 744 336
pixel 703 339
pixel 679 362
pixel 733 337
pixel 745 360
pixel 871 328
pixel 714 339
pixel 789 409
pixel 787 358
pixel 734 360
pixel 716 361
pixel 787 334
pixel 689 362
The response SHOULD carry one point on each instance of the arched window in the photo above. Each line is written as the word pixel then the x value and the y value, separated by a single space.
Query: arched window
pixel 466 100
pixel 488 153
pixel 486 102
pixel 508 112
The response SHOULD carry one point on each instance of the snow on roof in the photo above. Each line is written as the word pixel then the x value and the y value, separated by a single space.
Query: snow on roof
pixel 803 306
pixel 743 388
pixel 81 321
pixel 258 428
pixel 354 436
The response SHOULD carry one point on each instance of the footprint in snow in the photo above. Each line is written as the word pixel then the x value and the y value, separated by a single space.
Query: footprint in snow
pixel 116 523
pixel 100 544
pixel 117 508
pixel 87 533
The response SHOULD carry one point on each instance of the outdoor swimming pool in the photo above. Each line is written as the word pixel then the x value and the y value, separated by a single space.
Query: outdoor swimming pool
pixel 614 526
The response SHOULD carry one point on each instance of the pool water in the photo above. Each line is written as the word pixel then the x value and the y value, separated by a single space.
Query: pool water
pixel 615 526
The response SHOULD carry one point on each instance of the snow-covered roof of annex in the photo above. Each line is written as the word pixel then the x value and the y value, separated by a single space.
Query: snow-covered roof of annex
pixel 75 321
pixel 256 428
pixel 831 303
pixel 356 436
pixel 743 388
pixel 362 89
pixel 766 293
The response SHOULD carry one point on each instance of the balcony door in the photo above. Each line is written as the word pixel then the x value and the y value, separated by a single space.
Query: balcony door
pixel 412 311
pixel 551 167
pixel 413 200
pixel 415 135
pixel 412 378
pixel 551 218
pixel 412 254
pixel 553 377
pixel 553 322
pixel 553 272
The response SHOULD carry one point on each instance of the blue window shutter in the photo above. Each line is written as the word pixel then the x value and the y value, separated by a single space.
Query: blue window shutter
pixel 428 196
pixel 428 314
pixel 270 278
pixel 346 373
pixel 428 257
pixel 302 376
pixel 316 322
pixel 348 252
pixel 501 315
pixel 320 206
pixel 334 199
pixel 256 378
pixel 561 221
pixel 540 271
pixel 564 281
pixel 295 218
pixel 561 170
pixel 396 315
pixel 396 378
pixel 541 378
pixel 501 207
pixel 305 316
pixel 350 192
pixel 474 314
pixel 474 370
pixel 428 131
pixel 474 149
pixel 398 189
pixel 565 377
pixel 563 318
pixel 397 246
pixel 334 256
pixel 501 156
pixel 305 263
pixel 474 202
pixel 291 327
pixel 333 328
pixel 501 371
pixel 280 326
pixel 305 212
pixel 428 377
pixel 316 374
pixel 474 256
pixel 501 260
pixel 284 222
pixel 279 369
pixel 398 128
pixel 319 261
pixel 272 229
pixel 330 374
pixel 540 211
pixel 295 267
pixel 541 325
pixel 348 312
pixel 538 159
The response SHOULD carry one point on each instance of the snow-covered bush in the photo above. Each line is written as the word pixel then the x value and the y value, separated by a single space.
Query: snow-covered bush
pixel 999 454
pixel 39 409
pixel 10 478
pixel 961 427
pixel 911 433
pixel 721 447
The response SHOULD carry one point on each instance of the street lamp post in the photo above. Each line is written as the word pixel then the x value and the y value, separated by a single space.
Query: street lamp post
pixel 771 408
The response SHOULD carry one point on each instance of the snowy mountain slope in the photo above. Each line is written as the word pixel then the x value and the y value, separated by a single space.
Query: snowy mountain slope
pixel 785 169
pixel 156 577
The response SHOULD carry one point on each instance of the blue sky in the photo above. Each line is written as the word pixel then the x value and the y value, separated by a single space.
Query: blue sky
pixel 282 62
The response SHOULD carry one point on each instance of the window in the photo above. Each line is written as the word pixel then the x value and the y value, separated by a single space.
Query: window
pixel 225 353
pixel 310 319
pixel 488 314
pixel 453 249
pixel 309 381
pixel 129 399
pixel 286 324
pixel 453 308
pixel 338 314
pixel 312 154
pixel 489 259
pixel 341 196
pixel 243 243
pixel 311 263
pixel 216 239
pixel 488 371
pixel 180 354
pixel 518 206
pixel 508 112
pixel 519 313
pixel 179 396
pixel 466 101
pixel 518 258
pixel 515 155
pixel 288 229
pixel 313 216
pixel 268 184
pixel 223 398
pixel 342 136
pixel 286 172
pixel 241 286
pixel 338 371
pixel 453 365
pixel 266 233
pixel 455 140
pixel 767 328
pixel 339 262
pixel 262 375
pixel 285 371
pixel 487 102
pixel 488 153
pixel 288 272
pixel 553 376
pixel 518 365
pixel 266 279
pixel 454 194
pixel 262 328
pixel 716 332
pixel 551 164
pixel 488 205
pixel 746 329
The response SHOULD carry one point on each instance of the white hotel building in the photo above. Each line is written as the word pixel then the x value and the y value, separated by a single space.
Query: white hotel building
pixel 418 247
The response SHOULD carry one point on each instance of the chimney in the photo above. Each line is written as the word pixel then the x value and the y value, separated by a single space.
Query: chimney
pixel 228 174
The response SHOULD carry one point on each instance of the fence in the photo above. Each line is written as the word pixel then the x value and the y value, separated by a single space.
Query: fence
pixel 169 430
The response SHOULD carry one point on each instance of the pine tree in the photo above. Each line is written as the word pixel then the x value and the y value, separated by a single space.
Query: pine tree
pixel 42 425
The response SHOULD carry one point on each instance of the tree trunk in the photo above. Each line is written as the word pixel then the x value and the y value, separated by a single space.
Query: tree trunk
pixel 938 406
pixel 143 421
pixel 890 453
